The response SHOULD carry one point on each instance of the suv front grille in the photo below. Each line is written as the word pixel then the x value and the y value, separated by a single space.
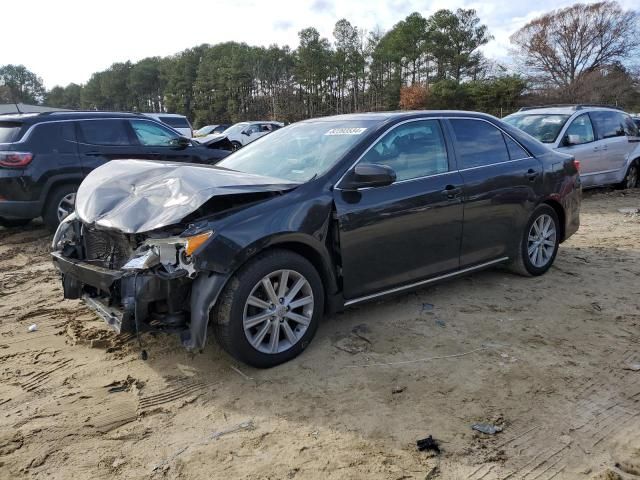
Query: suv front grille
pixel 107 249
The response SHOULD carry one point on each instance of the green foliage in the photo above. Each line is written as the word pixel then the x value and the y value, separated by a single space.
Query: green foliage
pixel 21 85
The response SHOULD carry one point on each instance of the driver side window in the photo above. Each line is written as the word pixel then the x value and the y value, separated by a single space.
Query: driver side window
pixel 580 131
pixel 150 134
pixel 414 149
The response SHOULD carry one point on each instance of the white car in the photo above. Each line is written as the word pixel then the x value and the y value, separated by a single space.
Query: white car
pixel 210 130
pixel 604 140
pixel 244 133
pixel 179 123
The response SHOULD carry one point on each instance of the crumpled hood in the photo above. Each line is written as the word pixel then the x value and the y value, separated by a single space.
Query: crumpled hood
pixel 136 196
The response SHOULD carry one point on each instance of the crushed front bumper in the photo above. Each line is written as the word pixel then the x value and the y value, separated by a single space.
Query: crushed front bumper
pixel 126 300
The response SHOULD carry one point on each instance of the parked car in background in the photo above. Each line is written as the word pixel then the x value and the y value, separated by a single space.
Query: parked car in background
pixel 317 216
pixel 179 123
pixel 243 133
pixel 211 129
pixel 44 157
pixel 636 120
pixel 604 140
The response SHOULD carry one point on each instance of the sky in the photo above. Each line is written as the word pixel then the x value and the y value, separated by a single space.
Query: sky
pixel 66 41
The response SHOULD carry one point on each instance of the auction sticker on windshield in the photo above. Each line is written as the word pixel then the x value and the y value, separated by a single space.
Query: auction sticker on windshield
pixel 346 131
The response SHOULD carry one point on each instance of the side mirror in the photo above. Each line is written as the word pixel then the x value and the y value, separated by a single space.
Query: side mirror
pixel 180 142
pixel 245 132
pixel 369 175
pixel 570 140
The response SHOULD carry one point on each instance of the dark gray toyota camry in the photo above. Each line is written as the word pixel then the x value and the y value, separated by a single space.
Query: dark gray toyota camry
pixel 310 219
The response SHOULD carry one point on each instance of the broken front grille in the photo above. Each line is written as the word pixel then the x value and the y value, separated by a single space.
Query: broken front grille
pixel 107 249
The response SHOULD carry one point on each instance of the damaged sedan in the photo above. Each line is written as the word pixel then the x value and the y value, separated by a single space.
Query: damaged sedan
pixel 315 217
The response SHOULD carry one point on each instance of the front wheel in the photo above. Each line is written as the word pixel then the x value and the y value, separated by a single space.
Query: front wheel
pixel 270 310
pixel 236 145
pixel 539 243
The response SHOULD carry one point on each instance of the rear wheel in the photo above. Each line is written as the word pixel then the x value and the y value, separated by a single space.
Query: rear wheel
pixel 60 203
pixel 632 176
pixel 539 243
pixel 270 310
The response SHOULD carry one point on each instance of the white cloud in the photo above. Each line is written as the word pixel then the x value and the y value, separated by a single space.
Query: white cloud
pixel 67 40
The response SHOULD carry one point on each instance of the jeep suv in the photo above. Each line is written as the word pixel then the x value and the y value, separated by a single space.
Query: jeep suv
pixel 44 157
pixel 605 140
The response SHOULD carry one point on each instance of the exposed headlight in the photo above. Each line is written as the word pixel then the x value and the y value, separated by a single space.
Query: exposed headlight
pixel 64 232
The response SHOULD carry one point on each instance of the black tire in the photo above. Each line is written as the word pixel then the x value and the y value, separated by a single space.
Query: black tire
pixel 632 178
pixel 236 145
pixel 522 264
pixel 14 222
pixel 50 212
pixel 228 313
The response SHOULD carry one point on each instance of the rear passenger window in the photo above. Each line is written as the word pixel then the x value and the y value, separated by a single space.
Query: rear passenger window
pixel 516 152
pixel 608 124
pixel 479 143
pixel 413 150
pixel 56 137
pixel 105 132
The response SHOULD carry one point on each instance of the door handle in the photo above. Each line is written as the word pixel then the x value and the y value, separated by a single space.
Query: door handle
pixel 605 147
pixel 531 174
pixel 451 191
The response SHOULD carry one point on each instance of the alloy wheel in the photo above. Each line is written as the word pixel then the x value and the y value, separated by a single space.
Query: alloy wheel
pixel 66 205
pixel 541 242
pixel 278 311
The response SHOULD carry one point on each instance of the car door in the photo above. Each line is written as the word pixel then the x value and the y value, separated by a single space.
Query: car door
pixel 579 140
pixel 502 182
pixel 158 142
pixel 102 140
pixel 613 142
pixel 407 231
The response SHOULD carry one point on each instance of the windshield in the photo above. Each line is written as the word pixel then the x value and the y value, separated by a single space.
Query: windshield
pixel 544 127
pixel 300 151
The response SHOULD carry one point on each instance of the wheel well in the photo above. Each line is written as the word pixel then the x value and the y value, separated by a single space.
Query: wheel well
pixel 327 277
pixel 560 213
pixel 55 187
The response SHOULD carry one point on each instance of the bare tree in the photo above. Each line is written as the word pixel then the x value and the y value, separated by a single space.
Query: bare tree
pixel 561 46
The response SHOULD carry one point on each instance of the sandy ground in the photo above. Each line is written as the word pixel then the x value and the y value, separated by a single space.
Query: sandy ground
pixel 548 359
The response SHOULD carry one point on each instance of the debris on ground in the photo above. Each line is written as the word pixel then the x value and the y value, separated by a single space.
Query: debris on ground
pixel 441 323
pixel 33 328
pixel 428 444
pixel 634 367
pixel 486 428
pixel 427 307
pixel 398 389
pixel 360 331
pixel 629 210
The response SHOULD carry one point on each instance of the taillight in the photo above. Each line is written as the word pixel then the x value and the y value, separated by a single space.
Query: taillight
pixel 15 159
pixel 576 163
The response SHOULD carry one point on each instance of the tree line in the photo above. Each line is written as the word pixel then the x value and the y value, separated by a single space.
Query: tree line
pixel 578 54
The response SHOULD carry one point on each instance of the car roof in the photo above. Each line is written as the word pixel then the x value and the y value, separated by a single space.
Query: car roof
pixel 564 109
pixel 155 114
pixel 32 118
pixel 397 115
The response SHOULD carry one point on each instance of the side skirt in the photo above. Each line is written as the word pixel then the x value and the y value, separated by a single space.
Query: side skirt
pixel 425 282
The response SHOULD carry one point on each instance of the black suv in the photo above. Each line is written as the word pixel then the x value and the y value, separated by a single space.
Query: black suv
pixel 44 157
